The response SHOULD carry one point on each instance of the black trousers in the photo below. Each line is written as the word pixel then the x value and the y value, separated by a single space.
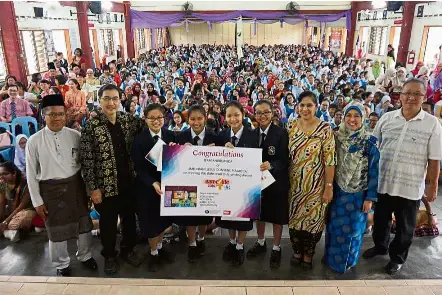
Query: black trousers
pixel 110 209
pixel 405 212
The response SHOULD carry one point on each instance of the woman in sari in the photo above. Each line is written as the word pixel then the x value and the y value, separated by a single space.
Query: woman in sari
pixel 355 190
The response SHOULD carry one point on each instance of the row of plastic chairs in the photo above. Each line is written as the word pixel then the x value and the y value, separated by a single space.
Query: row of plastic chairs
pixel 9 152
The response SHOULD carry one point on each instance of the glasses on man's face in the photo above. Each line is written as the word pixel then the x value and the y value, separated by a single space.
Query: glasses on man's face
pixel 412 94
pixel 260 114
pixel 4 174
pixel 153 119
pixel 55 115
pixel 108 98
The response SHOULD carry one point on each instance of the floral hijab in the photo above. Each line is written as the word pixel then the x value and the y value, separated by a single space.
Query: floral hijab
pixel 352 150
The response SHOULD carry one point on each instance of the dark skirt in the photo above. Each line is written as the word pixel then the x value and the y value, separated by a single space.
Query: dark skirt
pixel 192 220
pixel 67 204
pixel 152 224
pixel 275 207
pixel 234 225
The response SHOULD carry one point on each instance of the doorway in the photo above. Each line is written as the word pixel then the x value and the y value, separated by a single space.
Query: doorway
pixel 430 51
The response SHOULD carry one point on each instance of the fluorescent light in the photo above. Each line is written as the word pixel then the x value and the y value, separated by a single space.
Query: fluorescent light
pixel 378 4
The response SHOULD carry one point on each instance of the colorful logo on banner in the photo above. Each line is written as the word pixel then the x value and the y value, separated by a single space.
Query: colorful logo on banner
pixel 220 183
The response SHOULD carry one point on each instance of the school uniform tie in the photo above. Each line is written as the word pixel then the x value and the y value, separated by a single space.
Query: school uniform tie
pixel 195 140
pixel 13 111
pixel 155 138
pixel 263 137
pixel 233 140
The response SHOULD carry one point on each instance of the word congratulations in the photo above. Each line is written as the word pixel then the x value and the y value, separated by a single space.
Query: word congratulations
pixel 224 153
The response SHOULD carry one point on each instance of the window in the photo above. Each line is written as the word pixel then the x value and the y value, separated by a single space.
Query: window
pixel 378 39
pixel 141 38
pixel 33 45
pixel 2 61
pixel 107 42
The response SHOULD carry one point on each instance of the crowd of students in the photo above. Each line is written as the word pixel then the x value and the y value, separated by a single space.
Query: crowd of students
pixel 338 135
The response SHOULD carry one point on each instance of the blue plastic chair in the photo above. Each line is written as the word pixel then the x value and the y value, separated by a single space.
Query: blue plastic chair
pixel 24 122
pixel 8 152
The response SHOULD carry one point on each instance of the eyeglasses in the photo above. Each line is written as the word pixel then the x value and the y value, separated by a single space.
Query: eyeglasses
pixel 414 94
pixel 266 113
pixel 108 99
pixel 55 115
pixel 155 119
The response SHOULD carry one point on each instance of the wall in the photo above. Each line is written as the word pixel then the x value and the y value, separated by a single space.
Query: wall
pixel 224 33
pixel 57 17
pixel 432 16
pixel 389 22
pixel 237 5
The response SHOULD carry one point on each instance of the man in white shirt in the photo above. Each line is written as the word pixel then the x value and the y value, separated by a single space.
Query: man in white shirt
pixel 410 149
pixel 57 190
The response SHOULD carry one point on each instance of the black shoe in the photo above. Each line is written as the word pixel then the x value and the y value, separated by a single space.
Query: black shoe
pixel 166 256
pixel 257 250
pixel 275 258
pixel 372 252
pixel 229 251
pixel 294 261
pixel 392 268
pixel 201 247
pixel 90 263
pixel 133 258
pixel 193 254
pixel 110 265
pixel 238 257
pixel 65 272
pixel 154 263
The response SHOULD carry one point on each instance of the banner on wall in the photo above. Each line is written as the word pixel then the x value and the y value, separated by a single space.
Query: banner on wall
pixel 211 181
pixel 336 38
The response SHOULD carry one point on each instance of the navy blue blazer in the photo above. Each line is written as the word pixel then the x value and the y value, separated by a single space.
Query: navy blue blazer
pixel 185 136
pixel 275 149
pixel 146 172
pixel 249 138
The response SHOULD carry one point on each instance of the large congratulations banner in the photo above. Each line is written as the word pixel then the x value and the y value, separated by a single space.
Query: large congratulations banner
pixel 211 181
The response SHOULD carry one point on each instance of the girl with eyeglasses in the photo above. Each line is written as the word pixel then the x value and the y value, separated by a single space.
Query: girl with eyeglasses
pixel 147 185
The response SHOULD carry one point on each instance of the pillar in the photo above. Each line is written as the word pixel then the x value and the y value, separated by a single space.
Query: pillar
pixel 15 62
pixel 83 28
pixel 129 31
pixel 407 25
pixel 350 41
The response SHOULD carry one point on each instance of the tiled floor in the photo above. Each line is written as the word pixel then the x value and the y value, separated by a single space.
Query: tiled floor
pixel 109 286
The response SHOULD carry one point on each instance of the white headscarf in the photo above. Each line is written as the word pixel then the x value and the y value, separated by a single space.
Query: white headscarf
pixel 20 155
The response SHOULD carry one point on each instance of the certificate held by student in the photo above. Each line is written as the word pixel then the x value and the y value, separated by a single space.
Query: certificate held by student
pixel 211 181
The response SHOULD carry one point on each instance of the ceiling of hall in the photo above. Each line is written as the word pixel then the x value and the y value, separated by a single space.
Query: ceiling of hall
pixel 238 5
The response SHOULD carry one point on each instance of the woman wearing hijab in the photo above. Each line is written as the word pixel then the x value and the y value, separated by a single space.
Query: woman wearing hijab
pixel 376 70
pixel 437 85
pixel 355 190
pixel 20 155
pixel 383 81
pixel 417 68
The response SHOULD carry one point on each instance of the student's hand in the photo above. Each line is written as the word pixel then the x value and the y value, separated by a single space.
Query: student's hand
pixel 96 196
pixel 265 166
pixel 229 145
pixel 42 211
pixel 188 144
pixel 157 187
pixel 172 143
pixel 212 144
pixel 366 207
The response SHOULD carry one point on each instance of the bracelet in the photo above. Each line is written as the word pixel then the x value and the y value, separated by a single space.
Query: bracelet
pixel 329 184
pixel 5 222
pixel 431 214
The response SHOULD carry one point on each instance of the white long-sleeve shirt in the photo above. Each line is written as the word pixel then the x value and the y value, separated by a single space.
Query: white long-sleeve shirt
pixel 51 155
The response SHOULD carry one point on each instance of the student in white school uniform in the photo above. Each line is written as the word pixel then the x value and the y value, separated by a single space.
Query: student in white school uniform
pixel 57 190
